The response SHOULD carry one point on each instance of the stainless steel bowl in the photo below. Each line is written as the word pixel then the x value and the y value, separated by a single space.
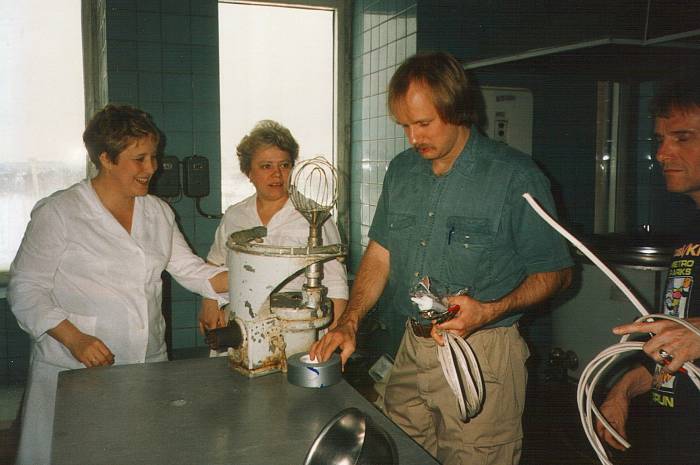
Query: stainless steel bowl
pixel 352 438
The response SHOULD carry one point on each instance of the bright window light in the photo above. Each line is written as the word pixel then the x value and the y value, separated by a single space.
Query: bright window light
pixel 275 63
pixel 42 109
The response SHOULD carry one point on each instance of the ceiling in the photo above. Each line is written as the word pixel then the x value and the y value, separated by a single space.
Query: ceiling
pixel 606 58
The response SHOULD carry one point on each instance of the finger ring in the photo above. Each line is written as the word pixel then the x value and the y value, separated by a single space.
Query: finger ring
pixel 665 355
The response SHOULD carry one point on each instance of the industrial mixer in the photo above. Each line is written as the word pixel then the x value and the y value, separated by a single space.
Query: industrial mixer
pixel 267 325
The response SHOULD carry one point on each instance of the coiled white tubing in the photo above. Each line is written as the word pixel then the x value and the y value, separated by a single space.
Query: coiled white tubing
pixel 461 370
pixel 593 371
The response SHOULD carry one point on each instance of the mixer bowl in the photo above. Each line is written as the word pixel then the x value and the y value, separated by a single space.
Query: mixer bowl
pixel 352 438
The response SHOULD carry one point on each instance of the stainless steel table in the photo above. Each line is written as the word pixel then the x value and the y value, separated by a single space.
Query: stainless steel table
pixel 198 411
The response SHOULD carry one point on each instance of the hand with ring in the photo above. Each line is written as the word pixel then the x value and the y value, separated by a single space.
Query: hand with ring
pixel 671 344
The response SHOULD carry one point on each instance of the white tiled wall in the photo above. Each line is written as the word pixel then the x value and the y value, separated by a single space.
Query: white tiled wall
pixel 384 34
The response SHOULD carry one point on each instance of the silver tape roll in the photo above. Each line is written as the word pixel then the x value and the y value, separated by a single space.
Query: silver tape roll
pixel 304 372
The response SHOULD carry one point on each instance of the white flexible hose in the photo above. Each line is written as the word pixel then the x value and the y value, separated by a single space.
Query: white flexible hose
pixel 593 371
pixel 591 256
pixel 461 370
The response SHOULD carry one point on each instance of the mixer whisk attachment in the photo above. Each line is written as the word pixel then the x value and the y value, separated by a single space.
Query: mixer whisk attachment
pixel 313 190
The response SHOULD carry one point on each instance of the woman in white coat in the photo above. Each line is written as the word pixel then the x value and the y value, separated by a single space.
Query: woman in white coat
pixel 266 156
pixel 86 281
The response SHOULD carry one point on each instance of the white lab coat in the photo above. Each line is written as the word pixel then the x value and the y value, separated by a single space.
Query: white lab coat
pixel 287 227
pixel 76 262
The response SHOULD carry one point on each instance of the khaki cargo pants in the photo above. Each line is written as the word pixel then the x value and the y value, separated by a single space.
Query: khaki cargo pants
pixel 418 399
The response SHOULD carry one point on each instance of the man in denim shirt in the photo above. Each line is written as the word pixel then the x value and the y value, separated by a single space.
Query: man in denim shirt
pixel 452 209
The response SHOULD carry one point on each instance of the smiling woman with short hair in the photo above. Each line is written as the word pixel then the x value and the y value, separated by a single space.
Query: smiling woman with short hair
pixel 86 282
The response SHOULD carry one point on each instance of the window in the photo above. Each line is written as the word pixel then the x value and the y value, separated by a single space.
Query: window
pixel 42 109
pixel 279 63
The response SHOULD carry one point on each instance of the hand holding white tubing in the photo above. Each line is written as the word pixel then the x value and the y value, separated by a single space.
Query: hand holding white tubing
pixel 689 326
pixel 592 374
pixel 608 356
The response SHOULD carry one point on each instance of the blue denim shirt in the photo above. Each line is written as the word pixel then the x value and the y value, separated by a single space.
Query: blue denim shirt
pixel 469 228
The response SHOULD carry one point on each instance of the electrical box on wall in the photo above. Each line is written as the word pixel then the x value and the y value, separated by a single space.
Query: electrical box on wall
pixel 195 176
pixel 166 180
pixel 509 116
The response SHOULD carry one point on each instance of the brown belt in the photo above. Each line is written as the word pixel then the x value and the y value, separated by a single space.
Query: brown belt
pixel 420 330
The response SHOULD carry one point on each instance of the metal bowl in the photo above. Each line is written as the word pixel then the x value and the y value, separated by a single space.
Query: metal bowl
pixel 352 438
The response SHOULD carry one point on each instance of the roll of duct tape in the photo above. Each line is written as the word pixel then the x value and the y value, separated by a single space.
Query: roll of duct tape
pixel 304 372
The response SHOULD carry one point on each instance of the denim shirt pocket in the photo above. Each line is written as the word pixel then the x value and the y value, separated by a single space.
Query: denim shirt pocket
pixel 468 242
pixel 401 229
pixel 400 224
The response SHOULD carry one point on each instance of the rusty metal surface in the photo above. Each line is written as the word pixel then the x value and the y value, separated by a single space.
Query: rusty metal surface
pixel 198 411
pixel 263 349
pixel 311 254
